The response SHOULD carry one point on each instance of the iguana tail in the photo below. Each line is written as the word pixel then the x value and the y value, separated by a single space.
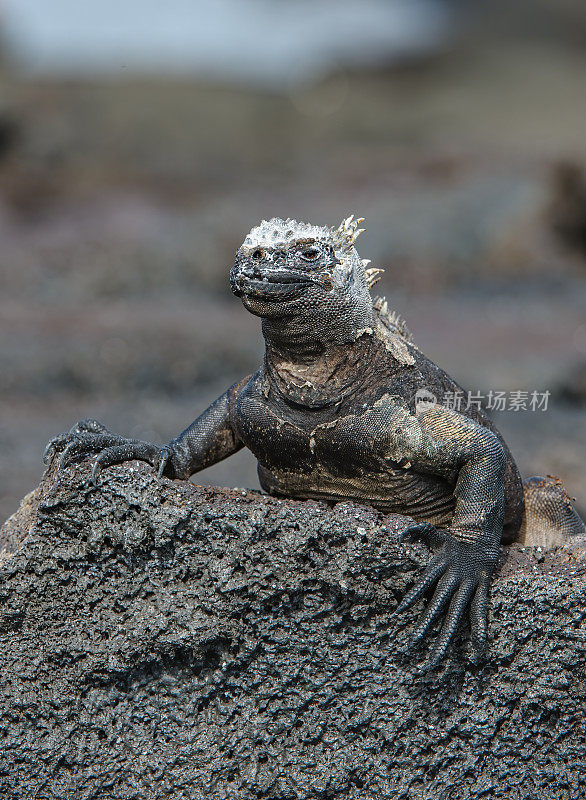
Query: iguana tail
pixel 550 517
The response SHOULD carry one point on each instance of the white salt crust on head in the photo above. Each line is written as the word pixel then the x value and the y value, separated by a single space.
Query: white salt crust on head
pixel 278 232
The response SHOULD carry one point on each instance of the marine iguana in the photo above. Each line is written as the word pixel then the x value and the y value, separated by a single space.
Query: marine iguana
pixel 343 407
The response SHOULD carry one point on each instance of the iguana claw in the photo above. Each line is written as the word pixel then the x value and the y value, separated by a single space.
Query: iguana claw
pixel 90 437
pixel 164 456
pixel 58 443
pixel 460 576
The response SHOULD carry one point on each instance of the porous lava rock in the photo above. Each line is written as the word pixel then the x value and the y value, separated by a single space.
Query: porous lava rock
pixel 166 640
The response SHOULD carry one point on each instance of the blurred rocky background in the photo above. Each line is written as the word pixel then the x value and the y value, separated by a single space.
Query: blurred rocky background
pixel 140 141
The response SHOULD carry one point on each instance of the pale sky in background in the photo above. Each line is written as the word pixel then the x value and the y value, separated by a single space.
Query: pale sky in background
pixel 260 41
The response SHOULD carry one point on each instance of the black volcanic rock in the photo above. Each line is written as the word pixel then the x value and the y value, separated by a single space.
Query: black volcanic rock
pixel 166 640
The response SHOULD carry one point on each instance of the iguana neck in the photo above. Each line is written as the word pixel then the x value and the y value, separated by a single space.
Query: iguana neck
pixel 319 378
pixel 316 332
pixel 313 357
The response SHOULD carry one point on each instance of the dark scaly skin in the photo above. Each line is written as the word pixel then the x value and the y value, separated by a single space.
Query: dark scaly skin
pixel 332 414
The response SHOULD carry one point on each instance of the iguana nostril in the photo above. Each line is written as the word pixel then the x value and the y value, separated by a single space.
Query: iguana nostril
pixel 257 254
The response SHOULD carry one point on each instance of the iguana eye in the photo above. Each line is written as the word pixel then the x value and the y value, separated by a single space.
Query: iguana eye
pixel 310 254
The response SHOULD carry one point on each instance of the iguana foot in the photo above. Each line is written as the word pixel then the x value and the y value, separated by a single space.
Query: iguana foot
pixel 459 574
pixel 90 437
pixel 57 443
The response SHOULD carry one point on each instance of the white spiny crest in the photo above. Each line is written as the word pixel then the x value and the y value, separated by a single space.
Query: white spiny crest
pixel 278 232
pixel 281 232
pixel 391 319
pixel 345 235
pixel 372 275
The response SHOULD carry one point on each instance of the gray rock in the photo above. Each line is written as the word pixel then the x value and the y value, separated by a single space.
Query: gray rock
pixel 166 640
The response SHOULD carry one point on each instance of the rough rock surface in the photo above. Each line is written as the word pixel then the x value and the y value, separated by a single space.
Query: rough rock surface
pixel 164 640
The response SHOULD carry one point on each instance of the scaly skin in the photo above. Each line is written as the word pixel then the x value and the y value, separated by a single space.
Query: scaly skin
pixel 335 412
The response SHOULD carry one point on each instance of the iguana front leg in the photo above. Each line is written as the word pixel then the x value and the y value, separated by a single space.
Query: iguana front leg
pixel 206 441
pixel 446 443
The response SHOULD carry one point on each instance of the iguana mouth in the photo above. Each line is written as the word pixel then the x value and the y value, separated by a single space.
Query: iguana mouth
pixel 273 284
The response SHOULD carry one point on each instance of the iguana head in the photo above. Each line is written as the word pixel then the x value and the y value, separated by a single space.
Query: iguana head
pixel 286 269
